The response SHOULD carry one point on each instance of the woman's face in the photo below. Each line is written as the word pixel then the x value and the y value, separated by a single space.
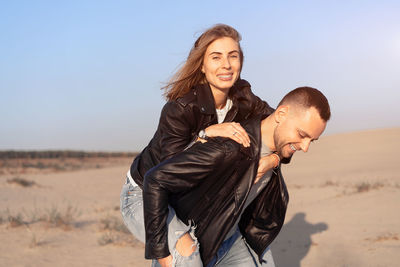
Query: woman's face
pixel 221 64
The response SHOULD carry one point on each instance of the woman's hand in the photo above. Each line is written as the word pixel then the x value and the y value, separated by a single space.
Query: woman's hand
pixel 166 262
pixel 266 163
pixel 232 130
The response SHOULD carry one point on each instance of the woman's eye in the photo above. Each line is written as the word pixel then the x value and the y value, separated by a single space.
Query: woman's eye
pixel 215 58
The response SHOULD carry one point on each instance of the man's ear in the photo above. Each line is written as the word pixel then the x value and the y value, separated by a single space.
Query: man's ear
pixel 281 113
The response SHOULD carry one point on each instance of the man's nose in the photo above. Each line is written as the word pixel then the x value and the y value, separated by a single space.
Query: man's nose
pixel 305 145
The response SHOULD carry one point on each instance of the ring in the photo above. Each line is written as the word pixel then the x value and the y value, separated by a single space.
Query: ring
pixel 234 133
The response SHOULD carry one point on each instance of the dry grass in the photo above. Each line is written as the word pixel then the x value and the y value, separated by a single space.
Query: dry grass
pixel 384 237
pixel 108 237
pixel 329 183
pixel 115 232
pixel 61 218
pixel 113 223
pixel 13 220
pixel 25 166
pixel 35 240
pixel 365 186
pixel 21 181
pixel 53 217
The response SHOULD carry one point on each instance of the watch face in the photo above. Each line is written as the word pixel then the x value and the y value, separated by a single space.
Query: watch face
pixel 202 134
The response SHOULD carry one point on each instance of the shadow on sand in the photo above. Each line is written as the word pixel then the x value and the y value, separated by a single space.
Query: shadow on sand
pixel 294 241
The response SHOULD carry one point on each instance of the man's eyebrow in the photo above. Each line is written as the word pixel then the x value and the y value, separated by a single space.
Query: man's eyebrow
pixel 306 134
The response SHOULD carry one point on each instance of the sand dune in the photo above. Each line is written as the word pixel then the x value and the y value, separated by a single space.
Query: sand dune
pixel 343 210
pixel 344 199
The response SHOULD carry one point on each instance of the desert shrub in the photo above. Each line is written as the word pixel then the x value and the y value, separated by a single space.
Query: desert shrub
pixel 107 238
pixel 13 220
pixel 114 224
pixel 365 186
pixel 65 219
pixel 21 181
pixel 115 232
pixel 49 154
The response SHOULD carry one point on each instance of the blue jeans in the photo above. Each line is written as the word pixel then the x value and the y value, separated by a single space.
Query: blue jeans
pixel 132 214
pixel 236 252
pixel 233 252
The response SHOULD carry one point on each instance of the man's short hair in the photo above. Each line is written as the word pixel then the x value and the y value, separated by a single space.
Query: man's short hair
pixel 308 97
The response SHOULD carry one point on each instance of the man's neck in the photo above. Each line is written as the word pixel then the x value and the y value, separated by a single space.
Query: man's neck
pixel 267 131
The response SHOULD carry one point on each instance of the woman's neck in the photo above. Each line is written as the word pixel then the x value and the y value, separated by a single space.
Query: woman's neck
pixel 220 98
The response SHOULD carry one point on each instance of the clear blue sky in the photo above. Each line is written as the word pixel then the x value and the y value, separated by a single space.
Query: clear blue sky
pixel 87 74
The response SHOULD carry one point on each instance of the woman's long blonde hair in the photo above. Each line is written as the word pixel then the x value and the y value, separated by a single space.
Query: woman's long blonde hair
pixel 190 73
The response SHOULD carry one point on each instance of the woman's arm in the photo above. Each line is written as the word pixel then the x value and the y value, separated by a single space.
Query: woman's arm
pixel 232 130
pixel 178 125
pixel 249 103
pixel 260 107
pixel 175 128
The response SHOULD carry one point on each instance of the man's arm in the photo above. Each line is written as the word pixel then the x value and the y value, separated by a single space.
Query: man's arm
pixel 177 174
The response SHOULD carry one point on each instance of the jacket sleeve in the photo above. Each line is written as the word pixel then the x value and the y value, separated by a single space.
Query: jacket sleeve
pixel 177 174
pixel 260 106
pixel 175 128
pixel 249 103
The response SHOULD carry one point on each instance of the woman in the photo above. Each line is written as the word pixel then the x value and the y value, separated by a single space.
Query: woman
pixel 204 98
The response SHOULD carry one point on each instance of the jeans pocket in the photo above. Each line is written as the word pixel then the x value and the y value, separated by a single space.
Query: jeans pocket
pixel 132 210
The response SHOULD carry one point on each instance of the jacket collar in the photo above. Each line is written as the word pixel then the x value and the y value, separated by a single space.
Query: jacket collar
pixel 205 98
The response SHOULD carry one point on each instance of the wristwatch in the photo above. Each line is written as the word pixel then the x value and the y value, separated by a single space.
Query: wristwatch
pixel 203 135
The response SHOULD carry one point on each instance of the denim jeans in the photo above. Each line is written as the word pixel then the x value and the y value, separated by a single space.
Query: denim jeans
pixel 233 252
pixel 236 252
pixel 132 214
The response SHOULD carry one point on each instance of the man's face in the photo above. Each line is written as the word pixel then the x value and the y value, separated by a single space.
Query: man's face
pixel 296 129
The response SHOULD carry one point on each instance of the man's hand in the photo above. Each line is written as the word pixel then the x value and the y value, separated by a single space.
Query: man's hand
pixel 166 262
pixel 266 163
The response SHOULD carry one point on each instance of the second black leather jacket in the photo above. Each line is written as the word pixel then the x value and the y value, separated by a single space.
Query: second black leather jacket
pixel 182 119
pixel 208 184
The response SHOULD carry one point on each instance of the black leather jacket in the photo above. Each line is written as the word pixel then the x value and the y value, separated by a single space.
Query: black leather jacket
pixel 208 184
pixel 181 121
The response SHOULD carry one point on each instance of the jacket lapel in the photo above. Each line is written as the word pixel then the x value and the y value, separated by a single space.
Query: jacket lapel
pixel 205 99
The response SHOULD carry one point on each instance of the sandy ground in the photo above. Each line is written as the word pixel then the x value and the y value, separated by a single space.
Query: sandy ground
pixel 343 211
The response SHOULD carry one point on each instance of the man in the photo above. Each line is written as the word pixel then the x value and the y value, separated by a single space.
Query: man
pixel 217 186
